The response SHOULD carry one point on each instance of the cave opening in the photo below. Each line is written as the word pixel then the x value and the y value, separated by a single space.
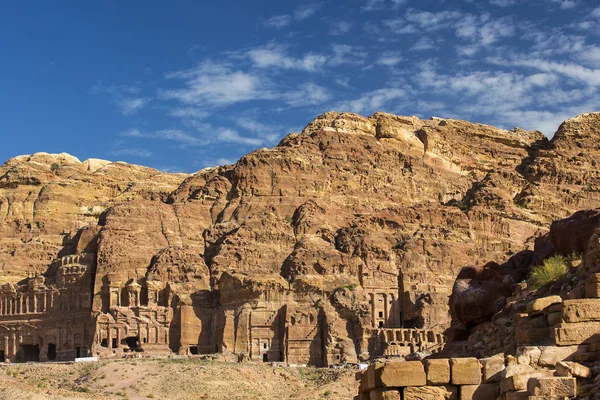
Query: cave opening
pixel 51 352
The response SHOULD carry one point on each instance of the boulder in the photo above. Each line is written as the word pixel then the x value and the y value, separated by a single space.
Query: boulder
pixel 431 393
pixel 384 394
pixel 552 386
pixel 569 368
pixel 465 371
pixel 438 371
pixel 485 391
pixel 493 368
pixel 401 374
pixel 542 303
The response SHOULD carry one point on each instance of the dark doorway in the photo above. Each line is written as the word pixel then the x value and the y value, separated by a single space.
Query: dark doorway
pixel 265 357
pixel 132 342
pixel 77 352
pixel 114 343
pixel 104 343
pixel 2 356
pixel 380 324
pixel 51 351
pixel 30 352
pixel 194 350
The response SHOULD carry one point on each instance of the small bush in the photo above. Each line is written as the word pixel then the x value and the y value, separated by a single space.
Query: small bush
pixel 552 269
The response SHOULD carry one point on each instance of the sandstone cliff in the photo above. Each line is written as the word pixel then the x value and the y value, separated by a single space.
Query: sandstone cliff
pixel 353 226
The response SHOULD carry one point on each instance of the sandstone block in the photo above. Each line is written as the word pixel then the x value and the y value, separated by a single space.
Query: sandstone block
pixel 569 334
pixel 367 382
pixel 438 371
pixel 465 371
pixel 552 354
pixel 581 310
pixel 519 381
pixel 493 368
pixel 554 318
pixel 528 355
pixel 520 395
pixel 382 394
pixel 401 374
pixel 569 368
pixel 431 393
pixel 552 386
pixel 486 391
pixel 542 303
pixel 592 286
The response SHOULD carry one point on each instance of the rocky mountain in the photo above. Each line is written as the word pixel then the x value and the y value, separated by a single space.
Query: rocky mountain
pixel 310 252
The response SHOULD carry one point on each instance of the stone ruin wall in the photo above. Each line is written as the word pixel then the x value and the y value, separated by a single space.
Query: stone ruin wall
pixel 56 316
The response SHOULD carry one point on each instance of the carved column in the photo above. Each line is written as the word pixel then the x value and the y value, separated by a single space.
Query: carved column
pixel 14 343
pixel 35 302
pixel 372 296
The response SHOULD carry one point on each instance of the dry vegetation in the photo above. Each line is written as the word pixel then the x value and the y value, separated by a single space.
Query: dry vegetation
pixel 172 379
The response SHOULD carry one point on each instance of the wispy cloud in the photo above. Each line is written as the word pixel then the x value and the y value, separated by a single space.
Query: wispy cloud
pixel 125 97
pixel 218 84
pixel 372 101
pixel 340 27
pixel 274 56
pixel 306 11
pixel 278 21
pixel 134 152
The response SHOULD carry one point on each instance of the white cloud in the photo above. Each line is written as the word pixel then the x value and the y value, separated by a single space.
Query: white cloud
pixel 131 105
pixel 278 21
pixel 372 101
pixel 273 56
pixel 595 13
pixel 270 133
pixel 306 11
pixel 574 71
pixel 134 152
pixel 208 135
pixel 423 43
pixel 340 27
pixel 503 3
pixel 389 59
pixel 189 112
pixel 218 84
pixel 306 95
pixel 344 54
pixel 432 20
pixel 231 136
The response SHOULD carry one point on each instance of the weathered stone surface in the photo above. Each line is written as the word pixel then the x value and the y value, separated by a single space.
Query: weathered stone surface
pixel 520 395
pixel 581 310
pixel 383 394
pixel 528 355
pixel 552 354
pixel 493 368
pixel 592 286
pixel 542 303
pixel 401 374
pixel 431 393
pixel 307 248
pixel 485 391
pixel 438 371
pixel 367 382
pixel 570 334
pixel 465 371
pixel 552 386
pixel 569 368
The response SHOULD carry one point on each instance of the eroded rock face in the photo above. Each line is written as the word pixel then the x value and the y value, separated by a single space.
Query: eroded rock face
pixel 316 251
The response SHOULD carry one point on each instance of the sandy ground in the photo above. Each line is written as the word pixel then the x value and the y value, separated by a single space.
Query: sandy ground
pixel 172 379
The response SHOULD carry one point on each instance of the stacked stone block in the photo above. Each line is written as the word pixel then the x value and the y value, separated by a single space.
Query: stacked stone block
pixel 467 379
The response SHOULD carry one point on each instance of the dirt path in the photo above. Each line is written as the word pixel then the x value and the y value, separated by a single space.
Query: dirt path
pixel 172 380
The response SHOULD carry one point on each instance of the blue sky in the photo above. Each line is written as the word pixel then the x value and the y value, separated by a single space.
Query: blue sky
pixel 183 85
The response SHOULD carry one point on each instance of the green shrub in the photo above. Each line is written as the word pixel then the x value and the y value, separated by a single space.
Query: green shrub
pixel 553 268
